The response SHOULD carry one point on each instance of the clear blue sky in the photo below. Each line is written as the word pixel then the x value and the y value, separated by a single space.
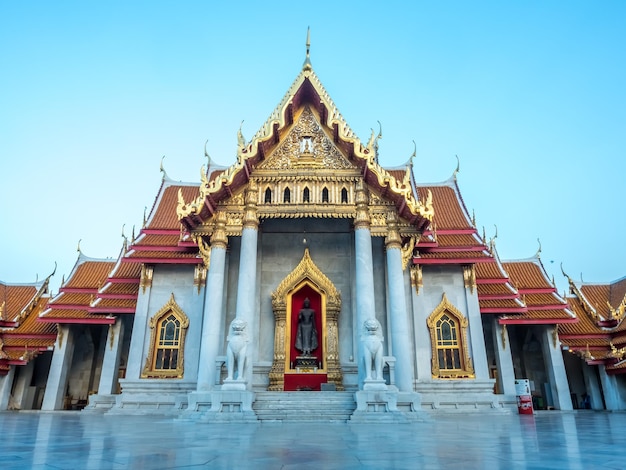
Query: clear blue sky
pixel 530 95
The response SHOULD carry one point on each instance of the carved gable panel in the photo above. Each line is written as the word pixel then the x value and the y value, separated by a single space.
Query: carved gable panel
pixel 306 146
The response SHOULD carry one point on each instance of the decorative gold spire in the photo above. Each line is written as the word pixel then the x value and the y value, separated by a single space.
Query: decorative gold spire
pixel 307 61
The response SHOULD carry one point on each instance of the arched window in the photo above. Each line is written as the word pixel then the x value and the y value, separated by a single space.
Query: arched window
pixel 287 195
pixel 448 344
pixel 166 354
pixel 325 195
pixel 268 196
pixel 306 195
pixel 344 196
pixel 167 342
pixel 448 336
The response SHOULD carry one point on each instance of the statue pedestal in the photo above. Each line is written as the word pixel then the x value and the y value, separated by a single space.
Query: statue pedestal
pixel 230 406
pixel 308 363
pixel 234 384
pixel 374 385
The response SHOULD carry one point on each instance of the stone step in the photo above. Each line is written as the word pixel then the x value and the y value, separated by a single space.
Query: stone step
pixel 304 406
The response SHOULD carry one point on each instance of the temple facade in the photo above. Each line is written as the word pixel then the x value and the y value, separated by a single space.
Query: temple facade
pixel 306 274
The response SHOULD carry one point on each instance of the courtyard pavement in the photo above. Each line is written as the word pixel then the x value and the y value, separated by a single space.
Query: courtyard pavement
pixel 547 440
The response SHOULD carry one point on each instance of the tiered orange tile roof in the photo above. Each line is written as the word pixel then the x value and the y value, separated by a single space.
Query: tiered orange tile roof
pixel 453 238
pixel 159 241
pixel 13 298
pixel 23 337
pixel 539 295
pixel 600 335
pixel 73 302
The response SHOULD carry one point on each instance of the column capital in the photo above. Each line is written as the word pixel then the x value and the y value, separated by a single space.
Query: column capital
pixel 250 218
pixel 219 238
pixel 392 240
pixel 362 219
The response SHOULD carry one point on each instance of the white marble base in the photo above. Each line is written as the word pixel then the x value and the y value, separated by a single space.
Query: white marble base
pixel 374 385
pixel 100 402
pixel 234 384
pixel 230 406
pixel 463 396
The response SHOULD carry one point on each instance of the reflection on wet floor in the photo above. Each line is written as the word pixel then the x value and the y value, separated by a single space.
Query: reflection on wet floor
pixel 547 440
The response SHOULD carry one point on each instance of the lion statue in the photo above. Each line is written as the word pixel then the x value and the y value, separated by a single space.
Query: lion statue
pixel 373 349
pixel 236 350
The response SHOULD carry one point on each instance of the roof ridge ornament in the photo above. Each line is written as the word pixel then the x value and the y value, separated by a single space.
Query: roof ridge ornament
pixel 538 254
pixel 241 140
pixel 206 154
pixel 162 169
pixel 458 167
pixel 306 66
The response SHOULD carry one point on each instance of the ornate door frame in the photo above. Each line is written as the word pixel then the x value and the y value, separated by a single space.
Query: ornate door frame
pixel 306 273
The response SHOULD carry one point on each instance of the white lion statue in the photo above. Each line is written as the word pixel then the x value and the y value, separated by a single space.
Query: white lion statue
pixel 236 350
pixel 373 349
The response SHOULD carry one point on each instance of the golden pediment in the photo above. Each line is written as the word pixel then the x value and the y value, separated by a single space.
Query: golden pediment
pixel 306 146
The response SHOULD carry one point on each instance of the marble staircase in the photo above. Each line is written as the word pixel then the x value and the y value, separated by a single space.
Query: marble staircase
pixel 304 406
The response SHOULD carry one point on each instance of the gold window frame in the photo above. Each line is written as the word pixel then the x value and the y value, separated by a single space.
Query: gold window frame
pixel 467 369
pixel 149 371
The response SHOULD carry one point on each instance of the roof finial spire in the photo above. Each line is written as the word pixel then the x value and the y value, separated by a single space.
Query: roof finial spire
pixel 307 62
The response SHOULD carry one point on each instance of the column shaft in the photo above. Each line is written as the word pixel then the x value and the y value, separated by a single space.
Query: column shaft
pixel 59 369
pixel 111 361
pixel 555 366
pixel 504 360
pixel 400 326
pixel 211 335
pixel 6 383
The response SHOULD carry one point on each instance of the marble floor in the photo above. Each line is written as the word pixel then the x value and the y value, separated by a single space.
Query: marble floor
pixel 547 440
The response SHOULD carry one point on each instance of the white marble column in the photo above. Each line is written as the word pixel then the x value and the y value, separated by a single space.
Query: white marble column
pixel 111 360
pixel 22 385
pixel 59 369
pixel 592 386
pixel 399 318
pixel 610 390
pixel 364 273
pixel 475 331
pixel 213 301
pixel 6 383
pixel 136 358
pixel 247 302
pixel 423 347
pixel 555 368
pixel 504 360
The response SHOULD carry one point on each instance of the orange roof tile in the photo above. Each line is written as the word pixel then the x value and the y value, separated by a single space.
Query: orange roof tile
pixel 527 274
pixel 89 273
pixel 163 214
pixel 163 255
pixel 14 297
pixel 597 295
pixel 158 240
pixel 450 212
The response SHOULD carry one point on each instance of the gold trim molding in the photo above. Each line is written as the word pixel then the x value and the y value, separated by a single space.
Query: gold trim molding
pixel 469 277
pixel 148 371
pixel 147 272
pixel 468 368
pixel 306 272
